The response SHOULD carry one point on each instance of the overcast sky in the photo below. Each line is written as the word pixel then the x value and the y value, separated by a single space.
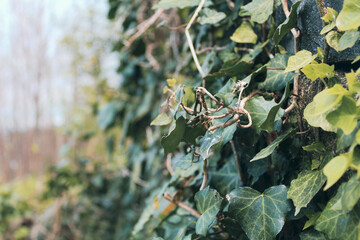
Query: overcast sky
pixel 54 19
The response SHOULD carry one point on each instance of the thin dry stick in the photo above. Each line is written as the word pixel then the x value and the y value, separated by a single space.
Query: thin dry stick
pixel 203 184
pixel 144 26
pixel 237 161
pixel 182 205
pixel 168 165
pixel 191 45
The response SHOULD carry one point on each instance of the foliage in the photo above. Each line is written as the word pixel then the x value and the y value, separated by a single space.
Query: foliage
pixel 227 155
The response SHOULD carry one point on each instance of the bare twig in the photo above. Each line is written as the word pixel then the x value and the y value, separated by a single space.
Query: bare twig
pixel 168 164
pixel 144 26
pixel 237 161
pixel 182 205
pixel 203 184
pixel 200 51
pixel 191 45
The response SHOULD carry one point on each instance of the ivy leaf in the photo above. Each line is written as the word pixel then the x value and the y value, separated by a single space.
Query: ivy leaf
pixel 316 111
pixel 185 162
pixel 315 147
pixel 208 202
pixel 227 178
pixel 210 16
pixel 244 34
pixel 161 120
pixel 259 109
pixel 268 124
pixel 270 148
pixel 226 92
pixel 277 79
pixel 327 28
pixel 259 10
pixel 335 169
pixel 348 39
pixel 330 15
pixel 350 194
pixel 230 68
pixel 344 141
pixel 349 17
pixel 352 230
pixel 331 221
pixel 312 235
pixel 344 117
pixel 316 70
pixel 333 39
pixel 261 216
pixel 287 25
pixel 167 4
pixel 107 114
pixel 356 59
pixel 353 83
pixel 299 60
pixel 172 140
pixel 304 188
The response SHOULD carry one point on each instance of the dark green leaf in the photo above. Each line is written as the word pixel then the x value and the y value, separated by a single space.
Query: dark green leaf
pixel 230 68
pixel 172 140
pixel 208 202
pixel 315 147
pixel 107 114
pixel 259 110
pixel 268 124
pixel 350 194
pixel 227 178
pixel 286 26
pixel 265 152
pixel 276 79
pixel 261 216
pixel 226 92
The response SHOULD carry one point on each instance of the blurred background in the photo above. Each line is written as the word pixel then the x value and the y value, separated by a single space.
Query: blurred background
pixel 47 58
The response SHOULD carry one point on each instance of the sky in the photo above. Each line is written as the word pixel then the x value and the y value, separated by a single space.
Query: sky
pixel 31 46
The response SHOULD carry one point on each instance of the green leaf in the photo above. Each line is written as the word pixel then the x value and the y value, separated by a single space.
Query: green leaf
pixel 230 68
pixel 299 60
pixel 352 81
pixel 167 4
pixel 344 117
pixel 208 202
pixel 268 124
pixel 330 15
pixel 244 34
pixel 344 141
pixel 261 216
pixel 357 137
pixel 226 92
pixel 333 39
pixel 189 97
pixel 349 17
pixel 356 59
pixel 217 139
pixel 172 140
pixel 227 178
pixel 316 111
pixel 352 230
pixel 335 169
pixel 287 25
pixel 107 113
pixel 161 120
pixel 348 39
pixel 185 162
pixel 210 16
pixel 259 10
pixel 259 110
pixel 304 188
pixel 327 28
pixel 271 147
pixel 314 147
pixel 312 235
pixel 277 79
pixel 350 194
pixel 332 222
pixel 318 70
